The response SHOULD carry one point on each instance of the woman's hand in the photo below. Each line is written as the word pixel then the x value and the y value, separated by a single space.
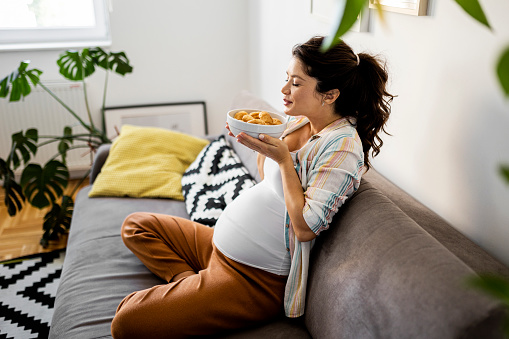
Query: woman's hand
pixel 229 132
pixel 268 146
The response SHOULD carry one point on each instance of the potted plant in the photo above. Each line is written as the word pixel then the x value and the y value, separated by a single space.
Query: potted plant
pixel 43 186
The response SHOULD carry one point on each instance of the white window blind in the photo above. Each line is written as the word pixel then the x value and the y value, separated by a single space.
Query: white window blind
pixel 45 24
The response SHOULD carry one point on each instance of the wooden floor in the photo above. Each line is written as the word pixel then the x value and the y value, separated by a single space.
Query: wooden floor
pixel 20 235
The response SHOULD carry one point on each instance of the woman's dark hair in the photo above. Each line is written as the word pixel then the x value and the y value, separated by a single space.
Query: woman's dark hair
pixel 361 83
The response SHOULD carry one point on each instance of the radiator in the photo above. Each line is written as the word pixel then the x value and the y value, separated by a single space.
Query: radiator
pixel 40 110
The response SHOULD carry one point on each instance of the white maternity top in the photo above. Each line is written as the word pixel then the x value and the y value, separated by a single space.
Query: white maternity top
pixel 251 228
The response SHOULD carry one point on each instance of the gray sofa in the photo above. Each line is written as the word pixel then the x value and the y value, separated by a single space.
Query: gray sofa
pixel 388 267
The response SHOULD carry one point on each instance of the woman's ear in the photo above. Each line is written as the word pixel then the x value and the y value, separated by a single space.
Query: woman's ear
pixel 331 96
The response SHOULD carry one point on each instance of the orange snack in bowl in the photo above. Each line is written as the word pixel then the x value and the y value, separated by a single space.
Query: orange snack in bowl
pixel 240 115
pixel 265 117
pixel 259 118
pixel 246 118
pixel 256 121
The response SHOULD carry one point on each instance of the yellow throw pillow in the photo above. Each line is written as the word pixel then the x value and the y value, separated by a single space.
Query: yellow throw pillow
pixel 147 162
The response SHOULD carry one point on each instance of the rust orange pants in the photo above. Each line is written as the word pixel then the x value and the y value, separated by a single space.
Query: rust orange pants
pixel 223 295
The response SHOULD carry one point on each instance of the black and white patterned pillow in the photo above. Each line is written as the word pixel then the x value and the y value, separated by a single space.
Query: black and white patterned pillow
pixel 213 180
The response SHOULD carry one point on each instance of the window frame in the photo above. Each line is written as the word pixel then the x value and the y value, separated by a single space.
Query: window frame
pixel 60 38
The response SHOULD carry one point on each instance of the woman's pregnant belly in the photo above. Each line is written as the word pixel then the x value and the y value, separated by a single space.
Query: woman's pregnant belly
pixel 251 230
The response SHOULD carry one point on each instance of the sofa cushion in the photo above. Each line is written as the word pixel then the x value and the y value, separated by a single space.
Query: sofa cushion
pixel 99 270
pixel 147 162
pixel 213 180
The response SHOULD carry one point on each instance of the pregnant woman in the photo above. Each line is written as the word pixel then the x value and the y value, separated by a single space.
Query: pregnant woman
pixel 252 266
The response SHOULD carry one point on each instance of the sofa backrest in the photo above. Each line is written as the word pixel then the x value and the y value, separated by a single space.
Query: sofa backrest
pixel 377 274
pixel 462 247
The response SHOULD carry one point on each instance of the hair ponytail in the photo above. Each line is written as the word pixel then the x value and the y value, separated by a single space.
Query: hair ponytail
pixel 361 80
pixel 373 104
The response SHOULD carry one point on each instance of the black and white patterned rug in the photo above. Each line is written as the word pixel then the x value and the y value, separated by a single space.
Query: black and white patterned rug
pixel 28 286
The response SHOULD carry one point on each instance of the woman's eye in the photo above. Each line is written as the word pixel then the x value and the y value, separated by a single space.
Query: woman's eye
pixel 293 84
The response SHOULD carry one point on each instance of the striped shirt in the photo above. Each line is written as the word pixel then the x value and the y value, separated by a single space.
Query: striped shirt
pixel 329 167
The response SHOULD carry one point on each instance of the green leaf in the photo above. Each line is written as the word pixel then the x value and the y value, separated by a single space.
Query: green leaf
pixel 473 8
pixel 58 220
pixel 119 63
pixel 76 65
pixel 114 61
pixel 4 168
pixel 379 9
pixel 65 142
pixel 504 171
pixel 503 71
pixel 23 66
pixel 63 147
pixel 495 286
pixel 14 197
pixel 17 83
pixel 100 58
pixel 24 145
pixel 345 21
pixel 20 88
pixel 43 186
pixel 34 75
pixel 15 90
pixel 4 87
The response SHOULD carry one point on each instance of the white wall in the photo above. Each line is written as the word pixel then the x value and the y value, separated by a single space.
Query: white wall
pixel 450 120
pixel 189 50
pixel 449 123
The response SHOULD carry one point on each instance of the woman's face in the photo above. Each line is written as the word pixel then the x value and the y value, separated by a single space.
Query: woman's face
pixel 300 96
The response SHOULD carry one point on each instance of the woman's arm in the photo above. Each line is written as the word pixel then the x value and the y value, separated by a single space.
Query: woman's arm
pixel 278 151
pixel 295 200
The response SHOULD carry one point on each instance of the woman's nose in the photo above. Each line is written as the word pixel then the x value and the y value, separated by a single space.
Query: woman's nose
pixel 286 89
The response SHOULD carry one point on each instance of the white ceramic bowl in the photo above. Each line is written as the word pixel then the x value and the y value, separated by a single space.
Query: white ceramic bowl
pixel 237 126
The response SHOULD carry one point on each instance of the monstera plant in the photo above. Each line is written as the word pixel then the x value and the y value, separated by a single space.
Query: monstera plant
pixel 44 186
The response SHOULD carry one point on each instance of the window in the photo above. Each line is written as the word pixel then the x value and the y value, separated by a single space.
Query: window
pixel 44 24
